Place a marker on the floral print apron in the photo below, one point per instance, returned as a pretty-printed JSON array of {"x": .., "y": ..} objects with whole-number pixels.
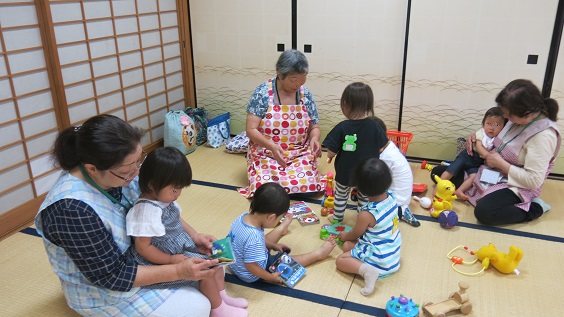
[{"x": 288, "y": 126}]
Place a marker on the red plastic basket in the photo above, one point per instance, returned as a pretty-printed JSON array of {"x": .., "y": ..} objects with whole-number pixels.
[{"x": 400, "y": 138}]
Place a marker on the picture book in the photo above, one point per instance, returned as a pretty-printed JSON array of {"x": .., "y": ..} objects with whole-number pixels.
[
  {"x": 292, "y": 271},
  {"x": 221, "y": 250},
  {"x": 301, "y": 211}
]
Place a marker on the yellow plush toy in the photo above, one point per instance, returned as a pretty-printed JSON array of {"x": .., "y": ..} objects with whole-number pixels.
[
  {"x": 443, "y": 196},
  {"x": 505, "y": 263}
]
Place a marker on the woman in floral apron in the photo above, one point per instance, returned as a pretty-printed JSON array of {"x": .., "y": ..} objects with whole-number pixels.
[
  {"x": 524, "y": 154},
  {"x": 282, "y": 126}
]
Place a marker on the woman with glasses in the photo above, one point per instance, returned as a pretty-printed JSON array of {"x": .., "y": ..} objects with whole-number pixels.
[
  {"x": 82, "y": 222},
  {"x": 283, "y": 130}
]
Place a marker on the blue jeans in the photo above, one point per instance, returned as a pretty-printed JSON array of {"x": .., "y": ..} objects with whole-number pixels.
[{"x": 465, "y": 163}]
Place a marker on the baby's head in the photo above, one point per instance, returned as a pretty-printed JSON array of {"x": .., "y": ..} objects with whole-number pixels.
[
  {"x": 493, "y": 121},
  {"x": 270, "y": 198},
  {"x": 357, "y": 101},
  {"x": 164, "y": 174},
  {"x": 371, "y": 176}
]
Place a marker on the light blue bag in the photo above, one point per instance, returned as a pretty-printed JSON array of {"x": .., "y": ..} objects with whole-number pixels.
[
  {"x": 180, "y": 131},
  {"x": 219, "y": 130}
]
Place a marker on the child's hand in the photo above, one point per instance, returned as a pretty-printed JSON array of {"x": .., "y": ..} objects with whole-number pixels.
[
  {"x": 203, "y": 243},
  {"x": 275, "y": 278},
  {"x": 280, "y": 247}
]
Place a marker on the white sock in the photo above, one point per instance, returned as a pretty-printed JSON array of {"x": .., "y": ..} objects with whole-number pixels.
[
  {"x": 545, "y": 207},
  {"x": 370, "y": 275}
]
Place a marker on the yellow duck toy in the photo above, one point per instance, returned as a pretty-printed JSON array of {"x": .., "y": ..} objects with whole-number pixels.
[
  {"x": 505, "y": 263},
  {"x": 443, "y": 196}
]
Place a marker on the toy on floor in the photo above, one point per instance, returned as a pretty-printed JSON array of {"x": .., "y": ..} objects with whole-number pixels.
[
  {"x": 443, "y": 196},
  {"x": 328, "y": 201},
  {"x": 456, "y": 301},
  {"x": 426, "y": 165},
  {"x": 424, "y": 202},
  {"x": 505, "y": 263},
  {"x": 419, "y": 188},
  {"x": 333, "y": 230},
  {"x": 401, "y": 307},
  {"x": 448, "y": 219}
]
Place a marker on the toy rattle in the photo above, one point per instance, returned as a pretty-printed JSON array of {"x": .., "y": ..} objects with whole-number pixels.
[
  {"x": 505, "y": 263},
  {"x": 424, "y": 202}
]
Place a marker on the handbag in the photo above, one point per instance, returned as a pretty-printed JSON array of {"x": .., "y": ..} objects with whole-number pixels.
[
  {"x": 238, "y": 144},
  {"x": 180, "y": 131},
  {"x": 219, "y": 130},
  {"x": 200, "y": 117}
]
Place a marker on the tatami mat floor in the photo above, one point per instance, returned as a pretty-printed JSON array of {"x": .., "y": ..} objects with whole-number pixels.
[{"x": 30, "y": 288}]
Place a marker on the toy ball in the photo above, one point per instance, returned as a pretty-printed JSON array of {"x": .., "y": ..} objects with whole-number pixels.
[
  {"x": 448, "y": 219},
  {"x": 425, "y": 202}
]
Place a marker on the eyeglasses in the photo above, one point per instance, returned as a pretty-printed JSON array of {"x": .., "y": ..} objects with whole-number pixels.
[{"x": 137, "y": 165}]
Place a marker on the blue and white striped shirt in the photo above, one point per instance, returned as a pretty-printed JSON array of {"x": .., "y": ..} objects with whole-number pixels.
[{"x": 249, "y": 246}]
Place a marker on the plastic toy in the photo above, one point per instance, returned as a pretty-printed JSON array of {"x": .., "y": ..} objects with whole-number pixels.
[
  {"x": 333, "y": 230},
  {"x": 448, "y": 219},
  {"x": 456, "y": 301},
  {"x": 400, "y": 138},
  {"x": 328, "y": 201},
  {"x": 505, "y": 263},
  {"x": 401, "y": 307},
  {"x": 426, "y": 165},
  {"x": 443, "y": 196},
  {"x": 419, "y": 187},
  {"x": 424, "y": 202}
]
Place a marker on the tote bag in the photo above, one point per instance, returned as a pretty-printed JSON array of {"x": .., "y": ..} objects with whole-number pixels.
[
  {"x": 180, "y": 131},
  {"x": 200, "y": 117},
  {"x": 219, "y": 130}
]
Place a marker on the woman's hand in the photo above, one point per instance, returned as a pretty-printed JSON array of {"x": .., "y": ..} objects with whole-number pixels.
[
  {"x": 316, "y": 148},
  {"x": 495, "y": 160},
  {"x": 196, "y": 269},
  {"x": 470, "y": 140},
  {"x": 278, "y": 154},
  {"x": 177, "y": 258},
  {"x": 203, "y": 243}
]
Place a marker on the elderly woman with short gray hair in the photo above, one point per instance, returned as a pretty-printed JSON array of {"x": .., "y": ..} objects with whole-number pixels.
[{"x": 283, "y": 130}]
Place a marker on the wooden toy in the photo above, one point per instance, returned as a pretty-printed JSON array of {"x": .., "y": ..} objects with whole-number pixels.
[
  {"x": 401, "y": 307},
  {"x": 443, "y": 196},
  {"x": 456, "y": 301}
]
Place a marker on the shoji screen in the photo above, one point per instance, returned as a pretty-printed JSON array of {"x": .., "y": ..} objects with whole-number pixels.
[
  {"x": 28, "y": 120},
  {"x": 64, "y": 61},
  {"x": 120, "y": 57}
]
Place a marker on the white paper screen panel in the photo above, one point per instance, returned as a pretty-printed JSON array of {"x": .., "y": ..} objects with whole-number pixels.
[
  {"x": 120, "y": 57},
  {"x": 28, "y": 123}
]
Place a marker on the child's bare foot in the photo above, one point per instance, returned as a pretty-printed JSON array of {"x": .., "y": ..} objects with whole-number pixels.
[
  {"x": 460, "y": 195},
  {"x": 330, "y": 218},
  {"x": 325, "y": 249},
  {"x": 286, "y": 223}
]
